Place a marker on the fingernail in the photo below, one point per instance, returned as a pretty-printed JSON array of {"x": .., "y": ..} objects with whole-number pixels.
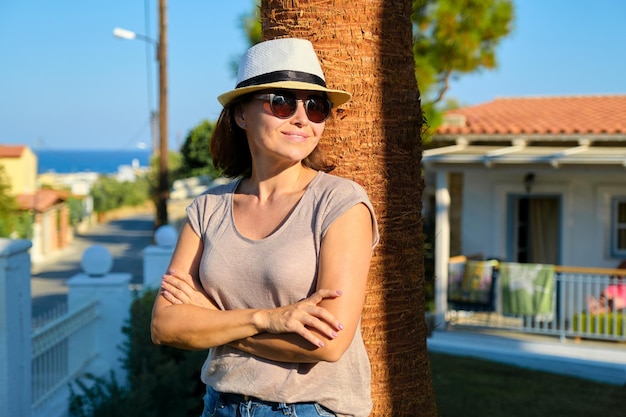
[
  {"x": 340, "y": 327},
  {"x": 339, "y": 292},
  {"x": 334, "y": 334}
]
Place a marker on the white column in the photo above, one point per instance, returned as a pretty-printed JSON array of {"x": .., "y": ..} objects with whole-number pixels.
[
  {"x": 114, "y": 297},
  {"x": 442, "y": 246},
  {"x": 15, "y": 328},
  {"x": 156, "y": 258}
]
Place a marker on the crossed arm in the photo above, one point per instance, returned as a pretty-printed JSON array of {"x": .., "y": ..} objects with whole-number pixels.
[{"x": 318, "y": 328}]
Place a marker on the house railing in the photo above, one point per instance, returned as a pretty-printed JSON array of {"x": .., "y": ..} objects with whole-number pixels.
[
  {"x": 572, "y": 315},
  {"x": 37, "y": 366}
]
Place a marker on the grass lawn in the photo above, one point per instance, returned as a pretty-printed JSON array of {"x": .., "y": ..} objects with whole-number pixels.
[{"x": 469, "y": 387}]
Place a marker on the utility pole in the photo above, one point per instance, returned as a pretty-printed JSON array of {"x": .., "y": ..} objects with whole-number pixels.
[{"x": 163, "y": 191}]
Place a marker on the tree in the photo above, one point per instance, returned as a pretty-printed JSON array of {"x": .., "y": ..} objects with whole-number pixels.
[
  {"x": 14, "y": 223},
  {"x": 196, "y": 156},
  {"x": 451, "y": 38},
  {"x": 251, "y": 24},
  {"x": 455, "y": 37},
  {"x": 366, "y": 48},
  {"x": 8, "y": 205}
]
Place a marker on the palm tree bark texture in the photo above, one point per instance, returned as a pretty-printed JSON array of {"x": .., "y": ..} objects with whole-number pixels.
[{"x": 365, "y": 47}]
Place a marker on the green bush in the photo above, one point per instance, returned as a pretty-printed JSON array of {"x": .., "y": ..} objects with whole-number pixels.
[
  {"x": 108, "y": 193},
  {"x": 195, "y": 152},
  {"x": 161, "y": 381},
  {"x": 77, "y": 210}
]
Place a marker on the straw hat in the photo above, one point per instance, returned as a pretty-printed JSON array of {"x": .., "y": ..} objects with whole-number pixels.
[{"x": 287, "y": 63}]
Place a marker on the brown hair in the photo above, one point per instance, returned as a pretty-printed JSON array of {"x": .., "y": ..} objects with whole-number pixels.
[{"x": 230, "y": 151}]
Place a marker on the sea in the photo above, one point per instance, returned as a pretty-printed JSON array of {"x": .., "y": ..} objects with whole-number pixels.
[{"x": 101, "y": 161}]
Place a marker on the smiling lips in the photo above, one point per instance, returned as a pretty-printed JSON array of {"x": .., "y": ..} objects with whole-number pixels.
[{"x": 296, "y": 136}]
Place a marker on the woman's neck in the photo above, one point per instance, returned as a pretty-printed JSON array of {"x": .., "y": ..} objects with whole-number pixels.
[{"x": 271, "y": 184}]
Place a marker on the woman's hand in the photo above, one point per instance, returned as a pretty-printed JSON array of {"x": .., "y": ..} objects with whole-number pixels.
[
  {"x": 182, "y": 288},
  {"x": 302, "y": 316}
]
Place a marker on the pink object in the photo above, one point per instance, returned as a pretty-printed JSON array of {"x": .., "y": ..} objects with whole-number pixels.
[{"x": 617, "y": 293}]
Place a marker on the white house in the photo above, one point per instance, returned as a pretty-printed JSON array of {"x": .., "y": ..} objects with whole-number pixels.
[{"x": 530, "y": 180}]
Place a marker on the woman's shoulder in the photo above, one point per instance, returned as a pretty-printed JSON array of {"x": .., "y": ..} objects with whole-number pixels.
[
  {"x": 328, "y": 183},
  {"x": 219, "y": 189},
  {"x": 215, "y": 194}
]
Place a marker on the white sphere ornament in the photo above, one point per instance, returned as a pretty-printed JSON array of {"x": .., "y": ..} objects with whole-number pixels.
[
  {"x": 165, "y": 236},
  {"x": 96, "y": 261}
]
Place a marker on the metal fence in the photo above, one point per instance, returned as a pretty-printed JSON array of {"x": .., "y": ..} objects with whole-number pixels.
[{"x": 573, "y": 314}]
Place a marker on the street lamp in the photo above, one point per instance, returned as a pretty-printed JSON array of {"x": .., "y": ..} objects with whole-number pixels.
[
  {"x": 130, "y": 35},
  {"x": 163, "y": 189}
]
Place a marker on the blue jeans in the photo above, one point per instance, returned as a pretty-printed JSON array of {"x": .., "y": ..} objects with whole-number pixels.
[{"x": 234, "y": 405}]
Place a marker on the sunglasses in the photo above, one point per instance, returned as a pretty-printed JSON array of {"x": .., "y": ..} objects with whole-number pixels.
[{"x": 285, "y": 105}]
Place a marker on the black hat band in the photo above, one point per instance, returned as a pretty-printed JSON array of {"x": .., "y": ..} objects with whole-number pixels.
[{"x": 286, "y": 75}]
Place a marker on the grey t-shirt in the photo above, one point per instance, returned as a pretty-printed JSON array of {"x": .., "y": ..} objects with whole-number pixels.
[{"x": 280, "y": 269}]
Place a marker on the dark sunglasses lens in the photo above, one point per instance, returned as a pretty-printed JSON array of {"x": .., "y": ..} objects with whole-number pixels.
[
  {"x": 317, "y": 109},
  {"x": 283, "y": 105}
]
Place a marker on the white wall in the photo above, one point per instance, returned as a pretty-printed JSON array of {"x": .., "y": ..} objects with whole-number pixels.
[{"x": 585, "y": 209}]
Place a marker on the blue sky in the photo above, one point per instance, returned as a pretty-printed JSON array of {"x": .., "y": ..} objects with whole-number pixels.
[{"x": 66, "y": 82}]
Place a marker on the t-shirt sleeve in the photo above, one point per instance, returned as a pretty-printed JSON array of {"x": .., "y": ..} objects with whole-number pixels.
[
  {"x": 345, "y": 195},
  {"x": 194, "y": 217}
]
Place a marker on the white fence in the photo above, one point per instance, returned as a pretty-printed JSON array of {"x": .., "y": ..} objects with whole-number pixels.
[
  {"x": 37, "y": 366},
  {"x": 571, "y": 315},
  {"x": 52, "y": 369}
]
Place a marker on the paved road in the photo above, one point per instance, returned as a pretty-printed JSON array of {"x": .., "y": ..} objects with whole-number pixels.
[{"x": 124, "y": 238}]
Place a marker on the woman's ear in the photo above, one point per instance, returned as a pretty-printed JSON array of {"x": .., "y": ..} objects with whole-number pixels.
[{"x": 239, "y": 118}]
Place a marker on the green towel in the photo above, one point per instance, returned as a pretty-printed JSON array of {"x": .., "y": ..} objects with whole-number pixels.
[{"x": 526, "y": 289}]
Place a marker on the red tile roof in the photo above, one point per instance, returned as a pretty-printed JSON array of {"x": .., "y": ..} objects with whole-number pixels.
[
  {"x": 42, "y": 200},
  {"x": 11, "y": 151},
  {"x": 568, "y": 115}
]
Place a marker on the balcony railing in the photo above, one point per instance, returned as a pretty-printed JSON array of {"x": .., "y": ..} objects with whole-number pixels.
[{"x": 577, "y": 309}]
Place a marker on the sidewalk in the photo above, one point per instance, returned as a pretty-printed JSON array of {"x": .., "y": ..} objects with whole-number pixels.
[
  {"x": 125, "y": 238},
  {"x": 593, "y": 360}
]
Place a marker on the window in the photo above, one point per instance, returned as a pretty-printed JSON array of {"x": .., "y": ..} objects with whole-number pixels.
[{"x": 618, "y": 227}]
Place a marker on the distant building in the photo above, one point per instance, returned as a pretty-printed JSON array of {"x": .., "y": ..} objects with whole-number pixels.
[
  {"x": 20, "y": 164},
  {"x": 79, "y": 183},
  {"x": 51, "y": 218}
]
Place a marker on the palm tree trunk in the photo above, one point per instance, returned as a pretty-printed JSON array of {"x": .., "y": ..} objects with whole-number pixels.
[{"x": 366, "y": 48}]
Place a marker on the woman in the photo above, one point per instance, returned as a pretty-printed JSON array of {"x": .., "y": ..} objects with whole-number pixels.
[{"x": 270, "y": 271}]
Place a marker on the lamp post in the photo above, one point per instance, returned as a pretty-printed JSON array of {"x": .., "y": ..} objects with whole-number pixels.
[{"x": 163, "y": 189}]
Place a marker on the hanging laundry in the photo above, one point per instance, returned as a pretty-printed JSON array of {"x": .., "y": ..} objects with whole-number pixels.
[
  {"x": 471, "y": 282},
  {"x": 526, "y": 289},
  {"x": 455, "y": 281}
]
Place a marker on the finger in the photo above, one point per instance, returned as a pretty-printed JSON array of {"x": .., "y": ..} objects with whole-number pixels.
[
  {"x": 322, "y": 294},
  {"x": 323, "y": 315},
  {"x": 179, "y": 283},
  {"x": 176, "y": 292},
  {"x": 327, "y": 328},
  {"x": 311, "y": 338},
  {"x": 181, "y": 276},
  {"x": 301, "y": 321},
  {"x": 169, "y": 297}
]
